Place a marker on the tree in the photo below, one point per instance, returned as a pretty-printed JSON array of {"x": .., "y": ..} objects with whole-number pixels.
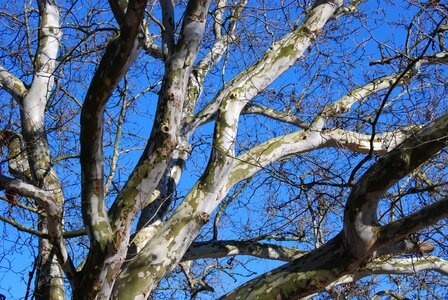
[{"x": 310, "y": 133}]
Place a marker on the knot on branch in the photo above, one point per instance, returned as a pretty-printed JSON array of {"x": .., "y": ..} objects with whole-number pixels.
[
  {"x": 426, "y": 247},
  {"x": 204, "y": 217}
]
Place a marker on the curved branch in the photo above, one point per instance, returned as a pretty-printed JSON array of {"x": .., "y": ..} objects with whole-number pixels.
[
  {"x": 314, "y": 271},
  {"x": 344, "y": 104},
  {"x": 220, "y": 46},
  {"x": 164, "y": 135},
  {"x": 306, "y": 275},
  {"x": 280, "y": 57},
  {"x": 194, "y": 212},
  {"x": 437, "y": 58},
  {"x": 349, "y": 9},
  {"x": 18, "y": 164},
  {"x": 404, "y": 266},
  {"x": 12, "y": 85},
  {"x": 122, "y": 51},
  {"x": 44, "y": 198},
  {"x": 168, "y": 29},
  {"x": 360, "y": 216}
]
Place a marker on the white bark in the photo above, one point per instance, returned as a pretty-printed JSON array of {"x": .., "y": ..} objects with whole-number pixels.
[
  {"x": 280, "y": 57},
  {"x": 217, "y": 249},
  {"x": 404, "y": 266},
  {"x": 177, "y": 234},
  {"x": 360, "y": 143},
  {"x": 275, "y": 115},
  {"x": 12, "y": 85},
  {"x": 345, "y": 103},
  {"x": 43, "y": 197}
]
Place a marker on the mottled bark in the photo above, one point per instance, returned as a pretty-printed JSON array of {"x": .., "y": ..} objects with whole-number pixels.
[
  {"x": 164, "y": 135},
  {"x": 217, "y": 249},
  {"x": 155, "y": 158},
  {"x": 304, "y": 276},
  {"x": 152, "y": 263},
  {"x": 362, "y": 234},
  {"x": 12, "y": 84},
  {"x": 275, "y": 115},
  {"x": 119, "y": 266},
  {"x": 50, "y": 277},
  {"x": 99, "y": 269},
  {"x": 361, "y": 225},
  {"x": 390, "y": 265},
  {"x": 18, "y": 165},
  {"x": 42, "y": 172},
  {"x": 280, "y": 57},
  {"x": 168, "y": 31},
  {"x": 158, "y": 207}
]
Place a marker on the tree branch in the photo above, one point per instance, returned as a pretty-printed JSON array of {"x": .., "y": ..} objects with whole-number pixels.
[
  {"x": 218, "y": 249},
  {"x": 360, "y": 143},
  {"x": 344, "y": 104},
  {"x": 168, "y": 29},
  {"x": 404, "y": 266},
  {"x": 414, "y": 222},
  {"x": 18, "y": 164},
  {"x": 220, "y": 46},
  {"x": 305, "y": 275},
  {"x": 122, "y": 51},
  {"x": 360, "y": 217},
  {"x": 275, "y": 115},
  {"x": 12, "y": 85},
  {"x": 22, "y": 228},
  {"x": 280, "y": 57},
  {"x": 164, "y": 136},
  {"x": 44, "y": 198}
]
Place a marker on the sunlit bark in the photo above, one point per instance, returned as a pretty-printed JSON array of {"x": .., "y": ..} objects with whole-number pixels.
[
  {"x": 126, "y": 258},
  {"x": 362, "y": 234}
]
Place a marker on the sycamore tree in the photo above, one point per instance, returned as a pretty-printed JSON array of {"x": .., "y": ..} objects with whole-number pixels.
[{"x": 164, "y": 149}]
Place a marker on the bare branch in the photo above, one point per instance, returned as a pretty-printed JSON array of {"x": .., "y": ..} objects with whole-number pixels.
[
  {"x": 164, "y": 136},
  {"x": 349, "y": 9},
  {"x": 404, "y": 266},
  {"x": 276, "y": 115},
  {"x": 217, "y": 249},
  {"x": 168, "y": 29},
  {"x": 344, "y": 104},
  {"x": 429, "y": 215},
  {"x": 220, "y": 46},
  {"x": 12, "y": 85},
  {"x": 360, "y": 217},
  {"x": 17, "y": 161},
  {"x": 280, "y": 57},
  {"x": 22, "y": 228},
  {"x": 24, "y": 189},
  {"x": 122, "y": 51},
  {"x": 360, "y": 143}
]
